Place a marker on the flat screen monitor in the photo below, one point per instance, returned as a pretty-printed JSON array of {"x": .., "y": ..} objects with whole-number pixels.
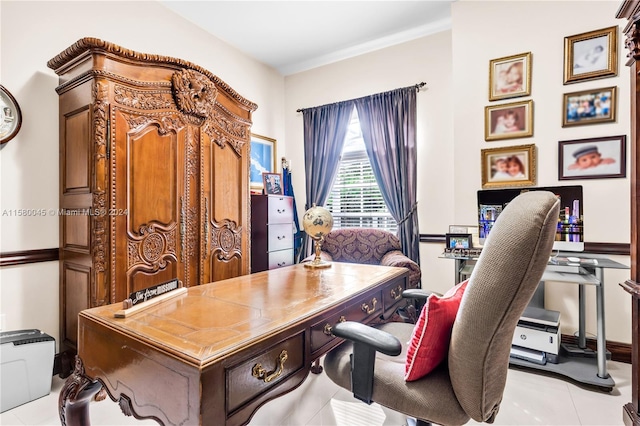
[{"x": 570, "y": 229}]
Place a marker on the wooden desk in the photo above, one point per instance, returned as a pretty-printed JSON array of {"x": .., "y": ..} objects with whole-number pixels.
[{"x": 194, "y": 359}]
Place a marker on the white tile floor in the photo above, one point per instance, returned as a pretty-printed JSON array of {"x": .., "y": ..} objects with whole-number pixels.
[{"x": 530, "y": 399}]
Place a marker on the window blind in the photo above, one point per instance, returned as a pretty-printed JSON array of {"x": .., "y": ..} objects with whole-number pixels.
[{"x": 355, "y": 199}]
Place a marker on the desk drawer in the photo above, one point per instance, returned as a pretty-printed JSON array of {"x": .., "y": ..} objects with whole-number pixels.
[
  {"x": 264, "y": 371},
  {"x": 362, "y": 311},
  {"x": 392, "y": 294}
]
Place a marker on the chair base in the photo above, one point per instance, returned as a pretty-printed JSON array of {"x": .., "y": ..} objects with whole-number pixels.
[{"x": 417, "y": 422}]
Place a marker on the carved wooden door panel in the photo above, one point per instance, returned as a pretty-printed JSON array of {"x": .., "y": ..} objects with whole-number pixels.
[
  {"x": 225, "y": 187},
  {"x": 154, "y": 221}
]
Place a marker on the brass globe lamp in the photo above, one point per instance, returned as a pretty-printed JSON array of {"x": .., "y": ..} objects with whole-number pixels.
[{"x": 317, "y": 222}]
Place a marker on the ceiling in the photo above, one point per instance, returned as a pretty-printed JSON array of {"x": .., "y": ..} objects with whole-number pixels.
[{"x": 294, "y": 36}]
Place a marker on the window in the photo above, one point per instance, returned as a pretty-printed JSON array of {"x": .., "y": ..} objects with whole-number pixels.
[{"x": 355, "y": 199}]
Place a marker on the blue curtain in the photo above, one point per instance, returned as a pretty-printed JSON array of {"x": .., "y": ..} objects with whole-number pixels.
[
  {"x": 388, "y": 122},
  {"x": 325, "y": 128},
  {"x": 288, "y": 190}
]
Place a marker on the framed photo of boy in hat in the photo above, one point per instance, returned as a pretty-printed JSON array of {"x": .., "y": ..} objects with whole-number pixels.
[{"x": 593, "y": 158}]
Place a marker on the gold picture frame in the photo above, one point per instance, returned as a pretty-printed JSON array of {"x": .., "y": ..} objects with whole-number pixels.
[
  {"x": 591, "y": 55},
  {"x": 508, "y": 121},
  {"x": 510, "y": 76},
  {"x": 591, "y": 106},
  {"x": 508, "y": 166}
]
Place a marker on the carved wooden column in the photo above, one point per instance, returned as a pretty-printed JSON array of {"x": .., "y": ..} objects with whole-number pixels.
[{"x": 630, "y": 10}]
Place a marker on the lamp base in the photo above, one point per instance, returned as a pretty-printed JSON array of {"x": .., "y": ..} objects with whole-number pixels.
[{"x": 317, "y": 264}]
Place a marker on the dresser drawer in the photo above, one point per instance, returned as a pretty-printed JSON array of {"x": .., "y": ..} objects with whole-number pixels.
[
  {"x": 278, "y": 259},
  {"x": 280, "y": 236},
  {"x": 264, "y": 371},
  {"x": 280, "y": 210}
]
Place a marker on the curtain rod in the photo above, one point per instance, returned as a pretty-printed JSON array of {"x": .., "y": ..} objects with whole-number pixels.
[{"x": 416, "y": 86}]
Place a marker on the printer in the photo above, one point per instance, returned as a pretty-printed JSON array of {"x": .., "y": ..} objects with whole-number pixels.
[
  {"x": 537, "y": 336},
  {"x": 26, "y": 366}
]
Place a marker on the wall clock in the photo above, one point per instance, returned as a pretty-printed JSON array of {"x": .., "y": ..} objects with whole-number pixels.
[{"x": 10, "y": 116}]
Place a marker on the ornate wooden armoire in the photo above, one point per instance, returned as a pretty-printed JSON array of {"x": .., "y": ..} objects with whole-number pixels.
[
  {"x": 154, "y": 170},
  {"x": 630, "y": 10}
]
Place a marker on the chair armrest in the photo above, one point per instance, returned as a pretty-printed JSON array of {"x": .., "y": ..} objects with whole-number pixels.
[
  {"x": 419, "y": 294},
  {"x": 366, "y": 341},
  {"x": 379, "y": 340},
  {"x": 398, "y": 259}
]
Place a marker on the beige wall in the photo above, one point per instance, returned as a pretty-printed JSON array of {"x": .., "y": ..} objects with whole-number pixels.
[{"x": 31, "y": 34}]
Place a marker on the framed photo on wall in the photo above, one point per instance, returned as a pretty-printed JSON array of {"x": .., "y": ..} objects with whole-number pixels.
[
  {"x": 272, "y": 183},
  {"x": 591, "y": 55},
  {"x": 510, "y": 77},
  {"x": 508, "y": 166},
  {"x": 589, "y": 107},
  {"x": 593, "y": 158},
  {"x": 508, "y": 121},
  {"x": 263, "y": 159}
]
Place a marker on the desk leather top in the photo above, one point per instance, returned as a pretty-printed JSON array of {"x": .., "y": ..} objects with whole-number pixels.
[{"x": 217, "y": 319}]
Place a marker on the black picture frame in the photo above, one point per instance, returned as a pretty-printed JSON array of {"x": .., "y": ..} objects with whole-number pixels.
[
  {"x": 272, "y": 183},
  {"x": 611, "y": 152},
  {"x": 458, "y": 241}
]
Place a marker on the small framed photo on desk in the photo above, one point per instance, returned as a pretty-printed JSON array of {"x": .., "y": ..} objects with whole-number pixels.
[{"x": 458, "y": 241}]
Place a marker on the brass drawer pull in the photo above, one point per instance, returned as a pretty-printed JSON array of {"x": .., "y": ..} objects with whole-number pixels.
[
  {"x": 366, "y": 309},
  {"x": 267, "y": 376},
  {"x": 396, "y": 293},
  {"x": 328, "y": 327}
]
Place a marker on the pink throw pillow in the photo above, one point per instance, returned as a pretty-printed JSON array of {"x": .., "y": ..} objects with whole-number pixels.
[{"x": 430, "y": 339}]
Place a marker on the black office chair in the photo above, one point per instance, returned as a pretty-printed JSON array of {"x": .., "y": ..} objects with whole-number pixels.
[{"x": 471, "y": 381}]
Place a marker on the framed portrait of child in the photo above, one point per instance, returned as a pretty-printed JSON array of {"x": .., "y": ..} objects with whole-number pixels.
[
  {"x": 508, "y": 166},
  {"x": 591, "y": 55},
  {"x": 508, "y": 121},
  {"x": 510, "y": 77},
  {"x": 592, "y": 158}
]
